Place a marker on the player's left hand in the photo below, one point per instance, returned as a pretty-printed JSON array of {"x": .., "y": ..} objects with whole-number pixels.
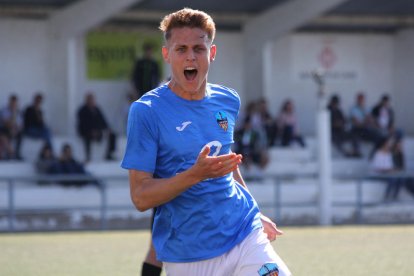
[{"x": 270, "y": 228}]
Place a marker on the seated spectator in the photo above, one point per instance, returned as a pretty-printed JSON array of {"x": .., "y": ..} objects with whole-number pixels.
[
  {"x": 398, "y": 156},
  {"x": 260, "y": 120},
  {"x": 269, "y": 125},
  {"x": 252, "y": 145},
  {"x": 288, "y": 125},
  {"x": 362, "y": 124},
  {"x": 382, "y": 163},
  {"x": 67, "y": 162},
  {"x": 6, "y": 151},
  {"x": 399, "y": 164},
  {"x": 92, "y": 125},
  {"x": 46, "y": 162},
  {"x": 340, "y": 133},
  {"x": 251, "y": 110},
  {"x": 11, "y": 124},
  {"x": 69, "y": 165},
  {"x": 383, "y": 116},
  {"x": 34, "y": 123}
]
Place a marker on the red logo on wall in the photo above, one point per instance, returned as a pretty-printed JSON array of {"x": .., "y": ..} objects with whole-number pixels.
[{"x": 327, "y": 57}]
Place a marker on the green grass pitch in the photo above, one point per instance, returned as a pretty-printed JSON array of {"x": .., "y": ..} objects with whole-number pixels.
[{"x": 330, "y": 251}]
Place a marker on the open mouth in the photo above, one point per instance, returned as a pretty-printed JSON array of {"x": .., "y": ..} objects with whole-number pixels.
[{"x": 190, "y": 73}]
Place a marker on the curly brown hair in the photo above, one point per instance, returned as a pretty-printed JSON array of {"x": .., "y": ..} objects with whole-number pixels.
[{"x": 188, "y": 18}]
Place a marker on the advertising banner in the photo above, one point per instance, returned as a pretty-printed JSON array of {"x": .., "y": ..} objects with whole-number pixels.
[{"x": 111, "y": 55}]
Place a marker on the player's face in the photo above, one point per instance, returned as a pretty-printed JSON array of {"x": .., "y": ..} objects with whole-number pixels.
[{"x": 189, "y": 53}]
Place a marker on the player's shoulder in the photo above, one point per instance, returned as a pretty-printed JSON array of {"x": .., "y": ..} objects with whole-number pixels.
[
  {"x": 152, "y": 97},
  {"x": 221, "y": 90},
  {"x": 148, "y": 104}
]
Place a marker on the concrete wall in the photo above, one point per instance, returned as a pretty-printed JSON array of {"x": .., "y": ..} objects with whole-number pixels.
[
  {"x": 404, "y": 79},
  {"x": 351, "y": 62},
  {"x": 23, "y": 52},
  {"x": 227, "y": 67}
]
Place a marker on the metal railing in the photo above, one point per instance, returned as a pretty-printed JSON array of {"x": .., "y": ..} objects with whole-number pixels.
[
  {"x": 101, "y": 184},
  {"x": 359, "y": 180}
]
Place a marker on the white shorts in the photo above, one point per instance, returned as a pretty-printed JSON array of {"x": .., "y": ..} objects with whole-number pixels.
[{"x": 253, "y": 256}]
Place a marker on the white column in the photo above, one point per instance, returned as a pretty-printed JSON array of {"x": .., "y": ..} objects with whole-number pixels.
[
  {"x": 72, "y": 85},
  {"x": 323, "y": 124},
  {"x": 325, "y": 167},
  {"x": 65, "y": 27}
]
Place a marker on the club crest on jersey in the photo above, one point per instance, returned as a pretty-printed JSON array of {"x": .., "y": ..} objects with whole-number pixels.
[
  {"x": 269, "y": 269},
  {"x": 222, "y": 121}
]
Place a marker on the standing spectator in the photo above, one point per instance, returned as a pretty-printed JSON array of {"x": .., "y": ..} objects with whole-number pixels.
[
  {"x": 339, "y": 131},
  {"x": 91, "y": 126},
  {"x": 362, "y": 125},
  {"x": 146, "y": 73},
  {"x": 288, "y": 125},
  {"x": 11, "y": 124},
  {"x": 34, "y": 123}
]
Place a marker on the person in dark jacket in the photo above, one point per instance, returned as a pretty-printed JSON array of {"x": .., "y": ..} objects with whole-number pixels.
[
  {"x": 92, "y": 126},
  {"x": 383, "y": 116},
  {"x": 69, "y": 165},
  {"x": 146, "y": 73},
  {"x": 34, "y": 123},
  {"x": 339, "y": 131}
]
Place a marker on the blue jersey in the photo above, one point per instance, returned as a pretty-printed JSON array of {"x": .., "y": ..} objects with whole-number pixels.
[{"x": 165, "y": 136}]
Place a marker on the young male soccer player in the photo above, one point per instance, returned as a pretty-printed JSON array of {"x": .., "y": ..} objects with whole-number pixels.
[{"x": 179, "y": 159}]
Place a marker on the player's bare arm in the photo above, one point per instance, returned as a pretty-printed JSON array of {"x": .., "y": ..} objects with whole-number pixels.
[
  {"x": 269, "y": 227},
  {"x": 148, "y": 192}
]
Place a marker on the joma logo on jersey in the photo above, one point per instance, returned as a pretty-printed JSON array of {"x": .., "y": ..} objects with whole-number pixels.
[
  {"x": 222, "y": 121},
  {"x": 183, "y": 126}
]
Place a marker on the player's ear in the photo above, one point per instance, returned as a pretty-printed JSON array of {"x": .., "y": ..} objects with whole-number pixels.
[
  {"x": 165, "y": 54},
  {"x": 213, "y": 50}
]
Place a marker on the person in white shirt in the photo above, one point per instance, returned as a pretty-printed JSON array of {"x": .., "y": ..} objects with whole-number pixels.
[{"x": 382, "y": 164}]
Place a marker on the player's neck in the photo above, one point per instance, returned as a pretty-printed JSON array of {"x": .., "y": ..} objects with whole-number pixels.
[{"x": 190, "y": 95}]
